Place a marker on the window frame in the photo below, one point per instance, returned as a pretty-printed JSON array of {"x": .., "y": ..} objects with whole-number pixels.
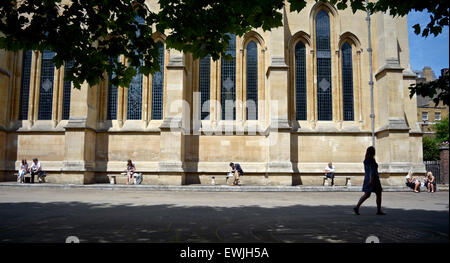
[
  {"x": 246, "y": 79},
  {"x": 344, "y": 80},
  {"x": 425, "y": 114},
  {"x": 325, "y": 110}
]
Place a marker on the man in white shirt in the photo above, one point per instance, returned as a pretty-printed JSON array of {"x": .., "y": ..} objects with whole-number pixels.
[
  {"x": 35, "y": 168},
  {"x": 329, "y": 172}
]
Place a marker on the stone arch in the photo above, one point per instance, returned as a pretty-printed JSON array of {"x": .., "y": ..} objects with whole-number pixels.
[
  {"x": 355, "y": 44},
  {"x": 261, "y": 48},
  {"x": 299, "y": 36},
  {"x": 327, "y": 7},
  {"x": 253, "y": 35},
  {"x": 334, "y": 30},
  {"x": 305, "y": 39},
  {"x": 351, "y": 38}
]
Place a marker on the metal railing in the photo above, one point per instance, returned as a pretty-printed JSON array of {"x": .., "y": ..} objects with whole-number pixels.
[{"x": 435, "y": 168}]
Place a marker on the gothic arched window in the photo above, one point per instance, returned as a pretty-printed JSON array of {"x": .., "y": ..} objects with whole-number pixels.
[
  {"x": 252, "y": 81},
  {"x": 300, "y": 81},
  {"x": 134, "y": 101},
  {"x": 46, "y": 87},
  {"x": 25, "y": 87},
  {"x": 158, "y": 86},
  {"x": 228, "y": 82},
  {"x": 347, "y": 82},
  {"x": 324, "y": 95}
]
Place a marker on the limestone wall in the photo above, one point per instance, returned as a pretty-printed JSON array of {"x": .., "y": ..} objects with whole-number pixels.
[
  {"x": 114, "y": 149},
  {"x": 179, "y": 149}
]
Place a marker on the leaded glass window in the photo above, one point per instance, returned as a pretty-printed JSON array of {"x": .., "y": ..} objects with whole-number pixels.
[
  {"x": 300, "y": 81},
  {"x": 324, "y": 97},
  {"x": 204, "y": 86},
  {"x": 158, "y": 86},
  {"x": 25, "y": 88},
  {"x": 252, "y": 81},
  {"x": 46, "y": 87},
  {"x": 111, "y": 113},
  {"x": 134, "y": 108},
  {"x": 228, "y": 82},
  {"x": 347, "y": 82},
  {"x": 66, "y": 92}
]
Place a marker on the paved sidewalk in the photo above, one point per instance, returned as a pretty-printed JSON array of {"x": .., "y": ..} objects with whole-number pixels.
[
  {"x": 212, "y": 188},
  {"x": 43, "y": 214}
]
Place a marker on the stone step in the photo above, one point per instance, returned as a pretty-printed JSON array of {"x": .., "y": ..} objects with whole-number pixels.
[{"x": 212, "y": 188}]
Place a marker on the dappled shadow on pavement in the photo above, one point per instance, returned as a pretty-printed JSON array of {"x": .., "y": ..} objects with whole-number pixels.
[{"x": 53, "y": 222}]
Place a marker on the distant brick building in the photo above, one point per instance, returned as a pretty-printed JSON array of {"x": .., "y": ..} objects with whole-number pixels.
[{"x": 427, "y": 112}]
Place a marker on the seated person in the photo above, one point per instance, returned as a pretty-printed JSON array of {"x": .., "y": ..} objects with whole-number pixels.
[
  {"x": 413, "y": 183},
  {"x": 130, "y": 170},
  {"x": 431, "y": 182},
  {"x": 237, "y": 171},
  {"x": 329, "y": 172},
  {"x": 22, "y": 171},
  {"x": 36, "y": 169}
]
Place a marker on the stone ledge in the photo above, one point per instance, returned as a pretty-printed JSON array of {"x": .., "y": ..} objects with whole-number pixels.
[
  {"x": 408, "y": 73},
  {"x": 198, "y": 188},
  {"x": 261, "y": 168},
  {"x": 391, "y": 64},
  {"x": 394, "y": 125}
]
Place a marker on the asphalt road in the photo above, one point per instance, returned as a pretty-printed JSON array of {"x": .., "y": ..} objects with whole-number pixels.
[{"x": 51, "y": 215}]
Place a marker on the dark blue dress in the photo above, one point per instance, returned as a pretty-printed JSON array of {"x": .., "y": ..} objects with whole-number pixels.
[{"x": 371, "y": 167}]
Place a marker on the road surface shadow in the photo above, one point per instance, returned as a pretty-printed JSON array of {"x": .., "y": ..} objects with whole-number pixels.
[{"x": 54, "y": 222}]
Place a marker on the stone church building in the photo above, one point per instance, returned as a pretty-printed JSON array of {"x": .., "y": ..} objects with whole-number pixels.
[{"x": 299, "y": 95}]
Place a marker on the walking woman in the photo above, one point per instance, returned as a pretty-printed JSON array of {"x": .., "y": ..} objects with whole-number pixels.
[{"x": 371, "y": 181}]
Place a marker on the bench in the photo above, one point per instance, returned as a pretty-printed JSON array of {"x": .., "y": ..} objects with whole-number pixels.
[
  {"x": 348, "y": 178},
  {"x": 27, "y": 177},
  {"x": 137, "y": 178}
]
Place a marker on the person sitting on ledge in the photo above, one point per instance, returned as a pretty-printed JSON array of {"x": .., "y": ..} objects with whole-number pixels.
[
  {"x": 237, "y": 171},
  {"x": 36, "y": 169},
  {"x": 130, "y": 170},
  {"x": 329, "y": 172},
  {"x": 431, "y": 182},
  {"x": 22, "y": 171},
  {"x": 413, "y": 183}
]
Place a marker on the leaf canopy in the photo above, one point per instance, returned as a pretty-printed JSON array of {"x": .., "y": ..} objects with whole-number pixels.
[{"x": 93, "y": 34}]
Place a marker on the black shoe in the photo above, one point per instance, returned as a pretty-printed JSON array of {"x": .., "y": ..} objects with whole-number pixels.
[{"x": 356, "y": 210}]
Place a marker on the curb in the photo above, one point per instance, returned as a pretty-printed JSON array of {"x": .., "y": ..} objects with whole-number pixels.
[{"x": 207, "y": 188}]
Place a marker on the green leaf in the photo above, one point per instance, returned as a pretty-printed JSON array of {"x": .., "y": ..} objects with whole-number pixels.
[
  {"x": 92, "y": 33},
  {"x": 297, "y": 5}
]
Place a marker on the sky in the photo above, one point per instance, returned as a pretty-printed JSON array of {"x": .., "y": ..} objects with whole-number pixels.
[{"x": 431, "y": 51}]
